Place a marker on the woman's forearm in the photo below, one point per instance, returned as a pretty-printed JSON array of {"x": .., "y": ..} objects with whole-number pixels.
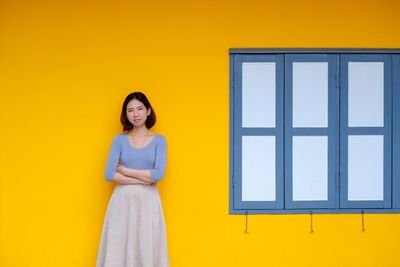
[
  {"x": 123, "y": 179},
  {"x": 143, "y": 175}
]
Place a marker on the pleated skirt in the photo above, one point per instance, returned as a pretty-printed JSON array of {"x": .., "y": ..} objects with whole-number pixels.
[{"x": 133, "y": 233}]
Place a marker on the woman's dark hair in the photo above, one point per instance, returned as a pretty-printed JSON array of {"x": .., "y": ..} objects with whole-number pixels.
[{"x": 151, "y": 119}]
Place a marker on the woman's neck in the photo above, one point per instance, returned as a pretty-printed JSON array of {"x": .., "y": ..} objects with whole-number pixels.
[{"x": 142, "y": 130}]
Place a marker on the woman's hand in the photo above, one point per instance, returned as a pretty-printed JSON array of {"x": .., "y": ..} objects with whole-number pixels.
[
  {"x": 125, "y": 172},
  {"x": 121, "y": 169}
]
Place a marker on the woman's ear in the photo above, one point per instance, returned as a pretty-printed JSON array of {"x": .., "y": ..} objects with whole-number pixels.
[{"x": 148, "y": 112}]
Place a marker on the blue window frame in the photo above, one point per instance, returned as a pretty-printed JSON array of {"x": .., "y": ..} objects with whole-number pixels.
[
  {"x": 396, "y": 131},
  {"x": 251, "y": 130},
  {"x": 314, "y": 131},
  {"x": 377, "y": 131}
]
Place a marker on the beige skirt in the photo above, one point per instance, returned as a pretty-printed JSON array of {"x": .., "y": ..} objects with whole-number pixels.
[{"x": 134, "y": 232}]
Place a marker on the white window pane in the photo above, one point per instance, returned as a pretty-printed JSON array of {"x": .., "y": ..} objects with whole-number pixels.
[
  {"x": 258, "y": 168},
  {"x": 310, "y": 94},
  {"x": 310, "y": 168},
  {"x": 365, "y": 167},
  {"x": 366, "y": 94},
  {"x": 258, "y": 99}
]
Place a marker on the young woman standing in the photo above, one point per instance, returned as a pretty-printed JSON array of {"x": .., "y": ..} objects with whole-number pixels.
[{"x": 134, "y": 233}]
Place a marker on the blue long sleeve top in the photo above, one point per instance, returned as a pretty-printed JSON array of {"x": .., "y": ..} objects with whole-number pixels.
[{"x": 151, "y": 157}]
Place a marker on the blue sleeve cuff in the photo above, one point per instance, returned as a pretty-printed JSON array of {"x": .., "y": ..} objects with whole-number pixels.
[
  {"x": 155, "y": 175},
  {"x": 113, "y": 159},
  {"x": 161, "y": 159},
  {"x": 110, "y": 175}
]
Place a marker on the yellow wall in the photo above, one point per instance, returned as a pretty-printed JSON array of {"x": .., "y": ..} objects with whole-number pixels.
[{"x": 65, "y": 68}]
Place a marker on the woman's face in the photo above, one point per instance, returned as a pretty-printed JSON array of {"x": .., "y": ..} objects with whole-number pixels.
[{"x": 137, "y": 113}]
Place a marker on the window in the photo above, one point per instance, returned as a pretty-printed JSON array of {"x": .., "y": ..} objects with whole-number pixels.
[{"x": 314, "y": 130}]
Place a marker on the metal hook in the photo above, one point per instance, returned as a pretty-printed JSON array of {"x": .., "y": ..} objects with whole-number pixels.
[
  {"x": 311, "y": 222},
  {"x": 362, "y": 221},
  {"x": 245, "y": 230}
]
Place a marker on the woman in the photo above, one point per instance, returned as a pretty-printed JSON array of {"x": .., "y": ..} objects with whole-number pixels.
[{"x": 134, "y": 232}]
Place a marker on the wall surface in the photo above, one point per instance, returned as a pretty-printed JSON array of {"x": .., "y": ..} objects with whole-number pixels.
[{"x": 65, "y": 68}]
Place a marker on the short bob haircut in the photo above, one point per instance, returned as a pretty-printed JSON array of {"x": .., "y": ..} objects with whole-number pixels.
[{"x": 151, "y": 119}]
